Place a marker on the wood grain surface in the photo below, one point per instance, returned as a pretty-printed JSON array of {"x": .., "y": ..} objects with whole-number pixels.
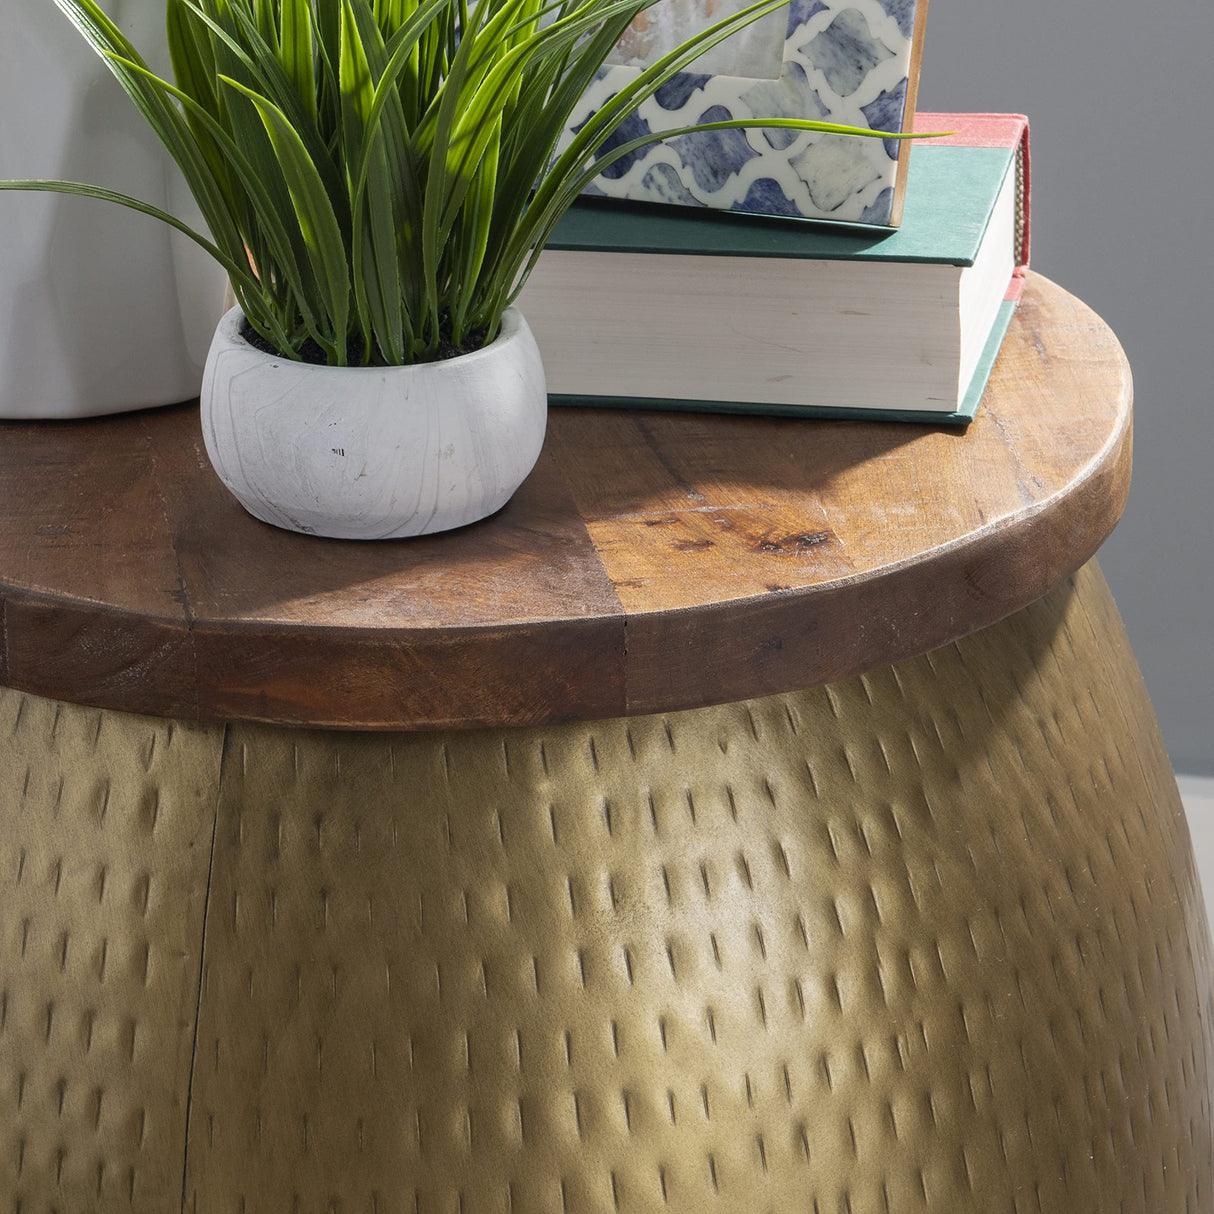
[{"x": 651, "y": 561}]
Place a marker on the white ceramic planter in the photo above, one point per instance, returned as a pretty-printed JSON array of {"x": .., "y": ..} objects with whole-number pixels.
[
  {"x": 101, "y": 310},
  {"x": 374, "y": 452}
]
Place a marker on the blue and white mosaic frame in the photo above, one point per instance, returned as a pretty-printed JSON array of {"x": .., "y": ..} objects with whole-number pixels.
[{"x": 846, "y": 61}]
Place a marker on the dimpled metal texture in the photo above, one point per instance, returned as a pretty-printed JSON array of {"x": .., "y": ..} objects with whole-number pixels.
[
  {"x": 930, "y": 939},
  {"x": 106, "y": 823}
]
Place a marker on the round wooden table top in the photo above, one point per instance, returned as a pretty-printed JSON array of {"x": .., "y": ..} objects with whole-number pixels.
[{"x": 652, "y": 561}]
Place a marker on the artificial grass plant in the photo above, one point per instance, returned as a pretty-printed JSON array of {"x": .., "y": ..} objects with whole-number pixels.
[{"x": 379, "y": 176}]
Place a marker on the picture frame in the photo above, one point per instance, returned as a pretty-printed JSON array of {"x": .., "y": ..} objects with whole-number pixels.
[{"x": 854, "y": 62}]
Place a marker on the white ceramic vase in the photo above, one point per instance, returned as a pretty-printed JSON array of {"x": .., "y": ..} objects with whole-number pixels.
[
  {"x": 372, "y": 453},
  {"x": 101, "y": 309}
]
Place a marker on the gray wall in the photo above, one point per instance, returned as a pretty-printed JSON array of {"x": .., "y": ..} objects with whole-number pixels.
[{"x": 1119, "y": 95}]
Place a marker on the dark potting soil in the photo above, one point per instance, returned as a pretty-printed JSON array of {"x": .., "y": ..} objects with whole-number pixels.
[{"x": 310, "y": 352}]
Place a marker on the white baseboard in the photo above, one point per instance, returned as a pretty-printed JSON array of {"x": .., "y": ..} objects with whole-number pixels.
[{"x": 1197, "y": 792}]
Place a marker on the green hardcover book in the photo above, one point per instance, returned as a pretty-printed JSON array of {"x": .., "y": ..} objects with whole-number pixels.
[{"x": 671, "y": 308}]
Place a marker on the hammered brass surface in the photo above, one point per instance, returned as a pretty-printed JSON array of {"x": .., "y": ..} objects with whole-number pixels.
[
  {"x": 105, "y": 840},
  {"x": 930, "y": 939},
  {"x": 927, "y": 940}
]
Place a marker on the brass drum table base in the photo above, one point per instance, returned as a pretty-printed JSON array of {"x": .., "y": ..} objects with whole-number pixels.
[{"x": 929, "y": 939}]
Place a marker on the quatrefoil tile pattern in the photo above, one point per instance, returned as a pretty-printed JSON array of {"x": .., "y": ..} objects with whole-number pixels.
[
  {"x": 926, "y": 940},
  {"x": 851, "y": 62}
]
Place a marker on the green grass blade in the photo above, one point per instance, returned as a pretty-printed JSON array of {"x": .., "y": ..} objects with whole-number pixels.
[
  {"x": 373, "y": 245},
  {"x": 474, "y": 236},
  {"x": 469, "y": 118},
  {"x": 288, "y": 257},
  {"x": 318, "y": 224},
  {"x": 390, "y": 15},
  {"x": 398, "y": 51},
  {"x": 295, "y": 42},
  {"x": 357, "y": 89},
  {"x": 536, "y": 126},
  {"x": 268, "y": 205},
  {"x": 194, "y": 66},
  {"x": 191, "y": 57},
  {"x": 267, "y": 24},
  {"x": 171, "y": 128},
  {"x": 257, "y": 67},
  {"x": 380, "y": 264},
  {"x": 389, "y": 64}
]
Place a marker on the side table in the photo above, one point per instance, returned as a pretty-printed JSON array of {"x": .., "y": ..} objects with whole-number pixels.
[{"x": 753, "y": 816}]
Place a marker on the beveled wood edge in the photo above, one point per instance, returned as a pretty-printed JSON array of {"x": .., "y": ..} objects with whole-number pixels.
[
  {"x": 192, "y": 670},
  {"x": 646, "y": 686},
  {"x": 980, "y": 579}
]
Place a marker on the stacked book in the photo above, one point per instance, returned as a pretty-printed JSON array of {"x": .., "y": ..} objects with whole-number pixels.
[{"x": 672, "y": 308}]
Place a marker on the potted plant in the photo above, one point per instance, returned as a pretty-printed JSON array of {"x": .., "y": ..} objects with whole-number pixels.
[{"x": 378, "y": 178}]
